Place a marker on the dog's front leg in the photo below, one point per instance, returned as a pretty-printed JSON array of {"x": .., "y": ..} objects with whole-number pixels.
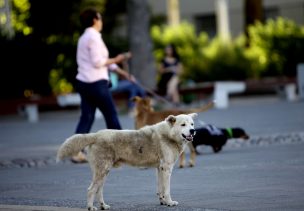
[
  {"x": 182, "y": 159},
  {"x": 164, "y": 174},
  {"x": 192, "y": 155},
  {"x": 160, "y": 191}
]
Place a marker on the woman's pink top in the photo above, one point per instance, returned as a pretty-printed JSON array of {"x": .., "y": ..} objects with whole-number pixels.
[{"x": 92, "y": 55}]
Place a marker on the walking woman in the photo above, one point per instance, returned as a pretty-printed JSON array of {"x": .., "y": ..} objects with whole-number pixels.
[{"x": 93, "y": 78}]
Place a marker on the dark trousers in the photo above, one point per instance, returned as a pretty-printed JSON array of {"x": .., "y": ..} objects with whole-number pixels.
[
  {"x": 96, "y": 95},
  {"x": 132, "y": 89}
]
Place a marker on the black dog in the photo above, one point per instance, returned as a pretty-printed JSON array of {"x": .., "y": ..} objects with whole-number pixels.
[{"x": 216, "y": 137}]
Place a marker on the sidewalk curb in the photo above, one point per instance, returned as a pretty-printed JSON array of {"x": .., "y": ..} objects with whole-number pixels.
[{"x": 36, "y": 208}]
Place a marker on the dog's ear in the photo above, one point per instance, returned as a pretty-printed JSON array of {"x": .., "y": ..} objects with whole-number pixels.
[
  {"x": 193, "y": 115},
  {"x": 171, "y": 120},
  {"x": 135, "y": 99}
]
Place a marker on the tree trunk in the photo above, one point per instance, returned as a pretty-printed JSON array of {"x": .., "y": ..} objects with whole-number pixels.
[
  {"x": 253, "y": 12},
  {"x": 142, "y": 64},
  {"x": 6, "y": 27}
]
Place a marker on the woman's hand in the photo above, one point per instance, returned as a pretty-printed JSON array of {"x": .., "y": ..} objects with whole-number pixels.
[
  {"x": 127, "y": 55},
  {"x": 119, "y": 58},
  {"x": 122, "y": 57}
]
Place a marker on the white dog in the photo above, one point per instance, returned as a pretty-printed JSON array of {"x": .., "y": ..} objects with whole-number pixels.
[{"x": 158, "y": 146}]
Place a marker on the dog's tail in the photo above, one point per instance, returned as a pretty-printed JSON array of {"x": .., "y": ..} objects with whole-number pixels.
[
  {"x": 203, "y": 108},
  {"x": 74, "y": 144}
]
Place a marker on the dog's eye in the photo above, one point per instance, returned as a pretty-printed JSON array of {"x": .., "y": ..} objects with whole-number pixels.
[
  {"x": 183, "y": 125},
  {"x": 192, "y": 124}
]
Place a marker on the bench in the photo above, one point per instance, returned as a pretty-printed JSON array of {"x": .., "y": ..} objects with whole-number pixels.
[
  {"x": 30, "y": 106},
  {"x": 73, "y": 99},
  {"x": 200, "y": 90},
  {"x": 286, "y": 87},
  {"x": 221, "y": 90}
]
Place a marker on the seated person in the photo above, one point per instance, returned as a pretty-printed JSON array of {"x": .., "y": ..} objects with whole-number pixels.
[{"x": 126, "y": 84}]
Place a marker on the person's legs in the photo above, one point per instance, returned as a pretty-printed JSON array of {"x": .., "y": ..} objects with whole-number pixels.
[
  {"x": 87, "y": 116},
  {"x": 135, "y": 90},
  {"x": 122, "y": 86},
  {"x": 87, "y": 108},
  {"x": 173, "y": 90},
  {"x": 162, "y": 86},
  {"x": 140, "y": 91},
  {"x": 132, "y": 89},
  {"x": 105, "y": 103}
]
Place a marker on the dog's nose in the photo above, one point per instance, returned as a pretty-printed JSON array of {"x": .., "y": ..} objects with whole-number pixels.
[{"x": 192, "y": 131}]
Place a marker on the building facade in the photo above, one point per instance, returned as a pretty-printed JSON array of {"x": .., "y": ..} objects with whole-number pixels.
[{"x": 202, "y": 13}]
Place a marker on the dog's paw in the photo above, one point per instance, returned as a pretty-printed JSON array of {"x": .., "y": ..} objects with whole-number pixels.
[
  {"x": 161, "y": 199},
  {"x": 92, "y": 208},
  {"x": 171, "y": 203},
  {"x": 181, "y": 166},
  {"x": 104, "y": 207},
  {"x": 191, "y": 164}
]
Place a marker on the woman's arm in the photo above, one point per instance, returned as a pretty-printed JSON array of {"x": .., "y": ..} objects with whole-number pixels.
[
  {"x": 115, "y": 68},
  {"x": 119, "y": 58}
]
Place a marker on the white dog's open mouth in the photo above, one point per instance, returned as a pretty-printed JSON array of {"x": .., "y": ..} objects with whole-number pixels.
[{"x": 188, "y": 138}]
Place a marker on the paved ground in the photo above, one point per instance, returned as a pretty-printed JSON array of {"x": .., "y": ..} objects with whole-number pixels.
[{"x": 265, "y": 173}]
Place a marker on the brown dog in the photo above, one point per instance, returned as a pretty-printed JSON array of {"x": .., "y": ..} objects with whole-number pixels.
[{"x": 145, "y": 115}]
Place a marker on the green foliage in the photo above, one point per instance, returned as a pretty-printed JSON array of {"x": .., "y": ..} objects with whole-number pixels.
[
  {"x": 224, "y": 62},
  {"x": 16, "y": 18},
  {"x": 59, "y": 83},
  {"x": 188, "y": 45},
  {"x": 45, "y": 43},
  {"x": 275, "y": 48},
  {"x": 19, "y": 16},
  {"x": 57, "y": 79},
  {"x": 204, "y": 59},
  {"x": 280, "y": 43}
]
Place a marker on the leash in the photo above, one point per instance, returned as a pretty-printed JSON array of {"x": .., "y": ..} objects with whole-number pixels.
[{"x": 148, "y": 90}]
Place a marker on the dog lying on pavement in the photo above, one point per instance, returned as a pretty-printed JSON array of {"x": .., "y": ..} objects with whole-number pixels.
[
  {"x": 212, "y": 136},
  {"x": 157, "y": 145}
]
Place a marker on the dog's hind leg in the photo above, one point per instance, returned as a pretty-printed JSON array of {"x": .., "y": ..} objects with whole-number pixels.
[
  {"x": 92, "y": 190},
  {"x": 164, "y": 176},
  {"x": 96, "y": 187},
  {"x": 103, "y": 205}
]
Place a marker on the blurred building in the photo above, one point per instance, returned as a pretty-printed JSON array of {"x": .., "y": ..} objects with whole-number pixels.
[{"x": 202, "y": 12}]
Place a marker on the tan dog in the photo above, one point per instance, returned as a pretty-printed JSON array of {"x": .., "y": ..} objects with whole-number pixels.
[
  {"x": 157, "y": 145},
  {"x": 145, "y": 115}
]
